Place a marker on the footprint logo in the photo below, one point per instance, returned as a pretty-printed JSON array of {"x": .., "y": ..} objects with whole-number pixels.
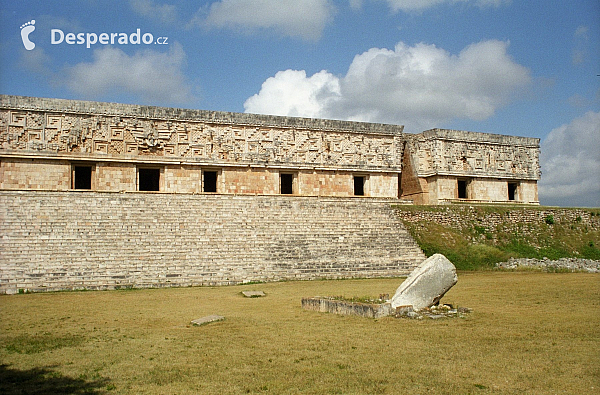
[{"x": 26, "y": 29}]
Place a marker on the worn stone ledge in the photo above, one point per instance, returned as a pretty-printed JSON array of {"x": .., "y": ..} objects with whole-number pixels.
[
  {"x": 330, "y": 305},
  {"x": 217, "y": 117},
  {"x": 566, "y": 264}
]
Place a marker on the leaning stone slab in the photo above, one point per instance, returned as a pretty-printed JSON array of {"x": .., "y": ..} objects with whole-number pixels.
[
  {"x": 253, "y": 294},
  {"x": 426, "y": 285},
  {"x": 207, "y": 320}
]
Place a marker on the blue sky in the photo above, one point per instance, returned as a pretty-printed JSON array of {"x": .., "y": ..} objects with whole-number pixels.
[{"x": 527, "y": 68}]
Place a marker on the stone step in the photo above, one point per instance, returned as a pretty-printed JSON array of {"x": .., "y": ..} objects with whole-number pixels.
[{"x": 66, "y": 240}]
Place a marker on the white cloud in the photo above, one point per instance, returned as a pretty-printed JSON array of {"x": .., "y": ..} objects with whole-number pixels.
[
  {"x": 570, "y": 162},
  {"x": 297, "y": 18},
  {"x": 38, "y": 62},
  {"x": 579, "y": 53},
  {"x": 420, "y": 86},
  {"x": 295, "y": 94},
  {"x": 156, "y": 77},
  {"x": 164, "y": 13},
  {"x": 420, "y": 5}
]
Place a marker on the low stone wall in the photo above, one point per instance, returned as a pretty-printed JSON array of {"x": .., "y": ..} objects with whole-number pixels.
[
  {"x": 329, "y": 305},
  {"x": 567, "y": 264},
  {"x": 464, "y": 216},
  {"x": 101, "y": 240}
]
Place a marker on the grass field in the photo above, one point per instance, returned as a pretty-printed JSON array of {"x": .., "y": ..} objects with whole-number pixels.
[{"x": 530, "y": 333}]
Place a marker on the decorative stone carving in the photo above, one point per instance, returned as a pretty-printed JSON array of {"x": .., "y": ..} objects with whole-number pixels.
[
  {"x": 460, "y": 153},
  {"x": 64, "y": 131}
]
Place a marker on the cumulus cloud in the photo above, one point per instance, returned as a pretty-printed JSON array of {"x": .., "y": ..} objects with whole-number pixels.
[
  {"x": 420, "y": 5},
  {"x": 305, "y": 19},
  {"x": 570, "y": 162},
  {"x": 296, "y": 94},
  {"x": 156, "y": 77},
  {"x": 419, "y": 86},
  {"x": 164, "y": 13}
]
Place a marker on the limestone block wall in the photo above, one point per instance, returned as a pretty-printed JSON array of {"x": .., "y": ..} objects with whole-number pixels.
[
  {"x": 100, "y": 240},
  {"x": 528, "y": 191},
  {"x": 446, "y": 188},
  {"x": 22, "y": 174},
  {"x": 463, "y": 216},
  {"x": 485, "y": 163},
  {"x": 38, "y": 174},
  {"x": 115, "y": 176},
  {"x": 182, "y": 179},
  {"x": 251, "y": 181}
]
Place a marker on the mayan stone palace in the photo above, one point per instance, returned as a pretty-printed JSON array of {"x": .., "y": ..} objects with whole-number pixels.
[{"x": 102, "y": 195}]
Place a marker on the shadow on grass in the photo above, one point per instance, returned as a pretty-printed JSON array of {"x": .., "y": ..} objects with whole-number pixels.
[{"x": 45, "y": 381}]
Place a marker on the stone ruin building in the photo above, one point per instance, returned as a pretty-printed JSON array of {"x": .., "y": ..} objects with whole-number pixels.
[{"x": 102, "y": 195}]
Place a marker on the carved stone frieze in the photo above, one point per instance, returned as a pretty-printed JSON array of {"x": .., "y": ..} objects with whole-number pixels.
[
  {"x": 460, "y": 153},
  {"x": 126, "y": 136}
]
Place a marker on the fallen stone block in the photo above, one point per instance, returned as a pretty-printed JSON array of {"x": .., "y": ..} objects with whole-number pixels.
[
  {"x": 329, "y": 305},
  {"x": 253, "y": 294},
  {"x": 426, "y": 285},
  {"x": 207, "y": 320}
]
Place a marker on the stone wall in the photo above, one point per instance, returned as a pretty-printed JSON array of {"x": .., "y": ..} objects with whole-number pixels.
[
  {"x": 250, "y": 152},
  {"x": 465, "y": 216},
  {"x": 443, "y": 189},
  {"x": 41, "y": 174},
  {"x": 101, "y": 240},
  {"x": 469, "y": 154},
  {"x": 97, "y": 131}
]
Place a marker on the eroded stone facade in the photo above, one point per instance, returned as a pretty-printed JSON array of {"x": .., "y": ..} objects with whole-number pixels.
[
  {"x": 53, "y": 144},
  {"x": 443, "y": 165}
]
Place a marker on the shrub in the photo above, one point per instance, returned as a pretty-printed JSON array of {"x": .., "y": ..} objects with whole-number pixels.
[{"x": 549, "y": 219}]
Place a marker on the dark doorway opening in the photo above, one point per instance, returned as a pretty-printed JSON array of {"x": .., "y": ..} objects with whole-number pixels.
[
  {"x": 149, "y": 179},
  {"x": 210, "y": 181},
  {"x": 287, "y": 184},
  {"x": 359, "y": 185},
  {"x": 512, "y": 191},
  {"x": 462, "y": 189},
  {"x": 82, "y": 177}
]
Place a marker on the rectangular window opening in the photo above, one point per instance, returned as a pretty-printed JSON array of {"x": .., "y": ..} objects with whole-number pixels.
[
  {"x": 462, "y": 189},
  {"x": 287, "y": 184},
  {"x": 512, "y": 191},
  {"x": 82, "y": 177},
  {"x": 210, "y": 181},
  {"x": 359, "y": 185},
  {"x": 149, "y": 179}
]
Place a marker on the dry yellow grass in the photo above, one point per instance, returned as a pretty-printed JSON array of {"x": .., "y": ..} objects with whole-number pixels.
[{"x": 530, "y": 333}]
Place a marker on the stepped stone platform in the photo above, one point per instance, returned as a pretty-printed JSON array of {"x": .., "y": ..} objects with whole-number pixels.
[{"x": 70, "y": 240}]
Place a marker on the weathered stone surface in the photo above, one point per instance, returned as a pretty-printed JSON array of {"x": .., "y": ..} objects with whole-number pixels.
[
  {"x": 426, "y": 284},
  {"x": 207, "y": 320},
  {"x": 253, "y": 294},
  {"x": 329, "y": 305},
  {"x": 94, "y": 240},
  {"x": 566, "y": 264}
]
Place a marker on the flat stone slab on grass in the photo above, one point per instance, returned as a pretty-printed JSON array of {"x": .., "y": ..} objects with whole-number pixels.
[
  {"x": 207, "y": 320},
  {"x": 330, "y": 305},
  {"x": 253, "y": 294}
]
